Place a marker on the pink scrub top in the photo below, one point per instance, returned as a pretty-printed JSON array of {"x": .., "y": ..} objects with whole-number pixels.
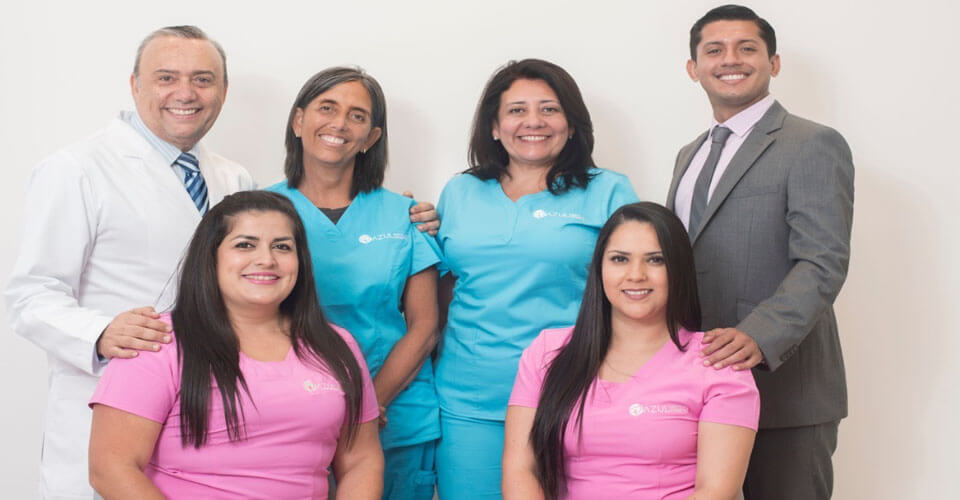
[
  {"x": 640, "y": 436},
  {"x": 292, "y": 425}
]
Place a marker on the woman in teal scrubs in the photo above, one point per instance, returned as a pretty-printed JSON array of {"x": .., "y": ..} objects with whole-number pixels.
[
  {"x": 519, "y": 227},
  {"x": 375, "y": 271}
]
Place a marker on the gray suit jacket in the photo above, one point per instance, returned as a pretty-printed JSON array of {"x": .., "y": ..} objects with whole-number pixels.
[{"x": 771, "y": 257}]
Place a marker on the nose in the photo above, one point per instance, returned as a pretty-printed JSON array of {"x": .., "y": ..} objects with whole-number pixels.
[
  {"x": 731, "y": 56},
  {"x": 184, "y": 92},
  {"x": 534, "y": 119},
  {"x": 638, "y": 271},
  {"x": 264, "y": 257},
  {"x": 339, "y": 121}
]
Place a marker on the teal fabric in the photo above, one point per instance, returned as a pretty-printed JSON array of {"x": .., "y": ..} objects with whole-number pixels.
[
  {"x": 521, "y": 267},
  {"x": 469, "y": 458},
  {"x": 411, "y": 472},
  {"x": 361, "y": 266}
]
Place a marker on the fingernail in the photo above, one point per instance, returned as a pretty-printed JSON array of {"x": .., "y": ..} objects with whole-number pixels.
[
  {"x": 166, "y": 338},
  {"x": 706, "y": 362},
  {"x": 156, "y": 347},
  {"x": 135, "y": 353}
]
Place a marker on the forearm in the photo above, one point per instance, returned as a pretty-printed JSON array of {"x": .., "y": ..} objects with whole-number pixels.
[
  {"x": 404, "y": 361},
  {"x": 708, "y": 493},
  {"x": 122, "y": 481},
  {"x": 520, "y": 484}
]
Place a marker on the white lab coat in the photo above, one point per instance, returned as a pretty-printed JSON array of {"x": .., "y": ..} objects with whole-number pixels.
[{"x": 106, "y": 222}]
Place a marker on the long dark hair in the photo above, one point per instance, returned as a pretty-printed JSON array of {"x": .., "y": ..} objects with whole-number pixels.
[
  {"x": 207, "y": 345},
  {"x": 573, "y": 371},
  {"x": 369, "y": 166},
  {"x": 488, "y": 159}
]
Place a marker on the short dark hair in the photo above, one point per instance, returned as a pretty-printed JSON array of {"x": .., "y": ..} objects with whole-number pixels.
[
  {"x": 369, "y": 166},
  {"x": 488, "y": 159},
  {"x": 733, "y": 12},
  {"x": 207, "y": 345},
  {"x": 572, "y": 372},
  {"x": 188, "y": 32}
]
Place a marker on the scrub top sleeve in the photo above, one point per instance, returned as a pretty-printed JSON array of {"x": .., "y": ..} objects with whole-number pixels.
[
  {"x": 621, "y": 194},
  {"x": 424, "y": 250},
  {"x": 369, "y": 409},
  {"x": 530, "y": 374},
  {"x": 146, "y": 386},
  {"x": 730, "y": 397}
]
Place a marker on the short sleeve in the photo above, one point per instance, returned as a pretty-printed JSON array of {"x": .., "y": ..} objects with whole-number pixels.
[
  {"x": 146, "y": 386},
  {"x": 534, "y": 362},
  {"x": 621, "y": 194},
  {"x": 425, "y": 251},
  {"x": 731, "y": 397},
  {"x": 369, "y": 409}
]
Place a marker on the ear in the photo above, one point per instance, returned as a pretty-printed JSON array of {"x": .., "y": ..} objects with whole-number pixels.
[
  {"x": 775, "y": 63},
  {"x": 372, "y": 138},
  {"x": 692, "y": 70},
  {"x": 133, "y": 85},
  {"x": 495, "y": 130},
  {"x": 297, "y": 125}
]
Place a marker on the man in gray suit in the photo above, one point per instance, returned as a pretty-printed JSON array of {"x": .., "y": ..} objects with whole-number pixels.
[{"x": 767, "y": 198}]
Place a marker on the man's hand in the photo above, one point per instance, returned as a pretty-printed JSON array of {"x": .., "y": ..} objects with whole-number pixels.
[
  {"x": 135, "y": 330},
  {"x": 729, "y": 346},
  {"x": 425, "y": 213}
]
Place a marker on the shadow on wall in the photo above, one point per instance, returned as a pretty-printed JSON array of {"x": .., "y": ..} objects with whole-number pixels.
[{"x": 890, "y": 357}]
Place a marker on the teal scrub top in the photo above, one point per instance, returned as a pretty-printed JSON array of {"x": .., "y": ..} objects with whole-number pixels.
[
  {"x": 521, "y": 267},
  {"x": 361, "y": 265}
]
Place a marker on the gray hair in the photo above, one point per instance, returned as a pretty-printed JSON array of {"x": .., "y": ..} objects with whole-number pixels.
[{"x": 187, "y": 31}]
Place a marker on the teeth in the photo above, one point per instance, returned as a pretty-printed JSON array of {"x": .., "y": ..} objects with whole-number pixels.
[
  {"x": 183, "y": 112},
  {"x": 738, "y": 76},
  {"x": 637, "y": 292},
  {"x": 332, "y": 139},
  {"x": 262, "y": 277},
  {"x": 533, "y": 138}
]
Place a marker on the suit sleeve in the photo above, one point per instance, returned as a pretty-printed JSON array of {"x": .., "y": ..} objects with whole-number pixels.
[
  {"x": 819, "y": 215},
  {"x": 59, "y": 231}
]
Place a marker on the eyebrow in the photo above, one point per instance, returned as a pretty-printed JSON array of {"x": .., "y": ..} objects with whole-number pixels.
[
  {"x": 255, "y": 238},
  {"x": 355, "y": 108},
  {"x": 540, "y": 102},
  {"x": 192, "y": 73},
  {"x": 624, "y": 252}
]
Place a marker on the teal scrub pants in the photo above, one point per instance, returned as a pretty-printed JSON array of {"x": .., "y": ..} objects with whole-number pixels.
[
  {"x": 409, "y": 472},
  {"x": 469, "y": 458}
]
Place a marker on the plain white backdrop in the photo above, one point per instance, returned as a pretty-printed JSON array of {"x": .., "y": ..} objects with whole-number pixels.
[{"x": 881, "y": 73}]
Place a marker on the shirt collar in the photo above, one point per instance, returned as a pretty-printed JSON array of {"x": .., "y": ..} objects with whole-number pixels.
[
  {"x": 167, "y": 151},
  {"x": 742, "y": 123}
]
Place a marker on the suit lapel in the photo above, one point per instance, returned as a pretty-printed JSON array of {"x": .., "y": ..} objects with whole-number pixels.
[
  {"x": 683, "y": 162},
  {"x": 751, "y": 149}
]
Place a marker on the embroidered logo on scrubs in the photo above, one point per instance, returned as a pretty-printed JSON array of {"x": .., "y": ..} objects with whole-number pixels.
[
  {"x": 637, "y": 409},
  {"x": 367, "y": 239},
  {"x": 540, "y": 214},
  {"x": 311, "y": 386}
]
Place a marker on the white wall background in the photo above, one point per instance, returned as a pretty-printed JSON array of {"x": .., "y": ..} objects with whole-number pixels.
[{"x": 881, "y": 73}]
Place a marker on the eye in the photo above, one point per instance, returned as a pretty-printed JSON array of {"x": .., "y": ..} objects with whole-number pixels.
[
  {"x": 359, "y": 117},
  {"x": 618, "y": 258},
  {"x": 749, "y": 49},
  {"x": 551, "y": 109},
  {"x": 165, "y": 78},
  {"x": 243, "y": 244},
  {"x": 656, "y": 260},
  {"x": 712, "y": 52},
  {"x": 284, "y": 247},
  {"x": 325, "y": 108},
  {"x": 203, "y": 80},
  {"x": 516, "y": 110}
]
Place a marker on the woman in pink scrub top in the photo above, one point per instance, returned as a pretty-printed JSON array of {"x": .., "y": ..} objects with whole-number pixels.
[
  {"x": 257, "y": 395},
  {"x": 621, "y": 405}
]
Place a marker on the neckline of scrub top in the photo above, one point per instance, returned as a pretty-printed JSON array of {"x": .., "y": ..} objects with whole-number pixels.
[
  {"x": 643, "y": 368},
  {"x": 324, "y": 220},
  {"x": 523, "y": 200}
]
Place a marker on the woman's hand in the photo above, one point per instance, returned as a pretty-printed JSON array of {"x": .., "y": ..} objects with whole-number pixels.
[{"x": 121, "y": 444}]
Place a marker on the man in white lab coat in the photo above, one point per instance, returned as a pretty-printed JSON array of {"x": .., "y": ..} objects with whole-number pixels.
[{"x": 105, "y": 224}]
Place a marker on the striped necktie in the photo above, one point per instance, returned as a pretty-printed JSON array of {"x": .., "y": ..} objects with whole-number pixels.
[{"x": 193, "y": 180}]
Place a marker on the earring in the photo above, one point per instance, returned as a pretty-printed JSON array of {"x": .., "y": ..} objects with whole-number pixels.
[
  {"x": 363, "y": 151},
  {"x": 495, "y": 138}
]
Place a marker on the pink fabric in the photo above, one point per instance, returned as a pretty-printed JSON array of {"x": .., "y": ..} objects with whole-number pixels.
[
  {"x": 640, "y": 436},
  {"x": 292, "y": 426},
  {"x": 741, "y": 124}
]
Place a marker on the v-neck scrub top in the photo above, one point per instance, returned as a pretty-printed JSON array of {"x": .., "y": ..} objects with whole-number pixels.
[
  {"x": 520, "y": 267},
  {"x": 292, "y": 416},
  {"x": 640, "y": 436},
  {"x": 361, "y": 265}
]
